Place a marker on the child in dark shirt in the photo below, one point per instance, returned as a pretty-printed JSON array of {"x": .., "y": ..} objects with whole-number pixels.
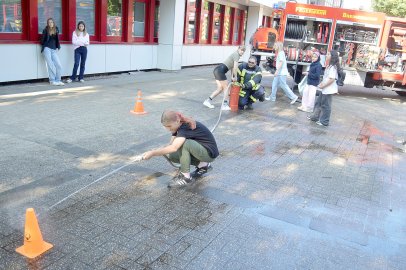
[
  {"x": 313, "y": 80},
  {"x": 191, "y": 143}
]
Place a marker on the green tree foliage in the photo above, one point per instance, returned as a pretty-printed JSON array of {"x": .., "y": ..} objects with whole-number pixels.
[
  {"x": 396, "y": 8},
  {"x": 113, "y": 7}
]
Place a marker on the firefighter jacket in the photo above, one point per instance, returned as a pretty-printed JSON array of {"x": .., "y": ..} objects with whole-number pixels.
[{"x": 249, "y": 79}]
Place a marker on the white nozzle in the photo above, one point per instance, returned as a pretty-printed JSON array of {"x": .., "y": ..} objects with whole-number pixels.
[{"x": 137, "y": 158}]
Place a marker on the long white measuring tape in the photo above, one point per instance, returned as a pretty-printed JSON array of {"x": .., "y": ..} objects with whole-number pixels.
[{"x": 134, "y": 159}]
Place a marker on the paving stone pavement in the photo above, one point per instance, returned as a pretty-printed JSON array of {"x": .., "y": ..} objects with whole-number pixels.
[{"x": 284, "y": 193}]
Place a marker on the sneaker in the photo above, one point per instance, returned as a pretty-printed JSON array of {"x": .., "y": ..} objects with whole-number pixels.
[
  {"x": 321, "y": 124},
  {"x": 69, "y": 80},
  {"x": 300, "y": 108},
  {"x": 180, "y": 181},
  {"x": 270, "y": 99},
  {"x": 82, "y": 81},
  {"x": 225, "y": 107},
  {"x": 200, "y": 171},
  {"x": 308, "y": 110},
  {"x": 208, "y": 104},
  {"x": 294, "y": 100},
  {"x": 310, "y": 118},
  {"x": 261, "y": 98},
  {"x": 60, "y": 83},
  {"x": 53, "y": 83}
]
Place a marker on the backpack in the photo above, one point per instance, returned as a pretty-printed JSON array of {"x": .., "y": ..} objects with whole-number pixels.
[{"x": 340, "y": 77}]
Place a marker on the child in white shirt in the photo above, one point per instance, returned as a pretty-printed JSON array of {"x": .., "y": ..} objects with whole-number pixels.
[
  {"x": 322, "y": 108},
  {"x": 80, "y": 40}
]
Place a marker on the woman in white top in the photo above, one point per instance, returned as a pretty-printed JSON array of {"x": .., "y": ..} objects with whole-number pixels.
[
  {"x": 322, "y": 108},
  {"x": 280, "y": 75},
  {"x": 80, "y": 40}
]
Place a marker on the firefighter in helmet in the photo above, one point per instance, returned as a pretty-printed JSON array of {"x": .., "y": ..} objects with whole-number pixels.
[{"x": 249, "y": 77}]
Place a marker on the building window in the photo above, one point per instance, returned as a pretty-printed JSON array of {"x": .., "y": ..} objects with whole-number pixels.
[
  {"x": 139, "y": 19},
  {"x": 266, "y": 21},
  {"x": 85, "y": 12},
  {"x": 205, "y": 22},
  {"x": 237, "y": 26},
  {"x": 49, "y": 9},
  {"x": 156, "y": 21},
  {"x": 244, "y": 25},
  {"x": 217, "y": 23},
  {"x": 227, "y": 25},
  {"x": 191, "y": 23},
  {"x": 114, "y": 17},
  {"x": 10, "y": 16}
]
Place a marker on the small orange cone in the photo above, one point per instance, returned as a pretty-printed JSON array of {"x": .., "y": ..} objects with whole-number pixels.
[
  {"x": 34, "y": 245},
  {"x": 139, "y": 106}
]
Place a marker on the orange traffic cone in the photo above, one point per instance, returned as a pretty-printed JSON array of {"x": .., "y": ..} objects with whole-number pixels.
[
  {"x": 139, "y": 106},
  {"x": 34, "y": 245}
]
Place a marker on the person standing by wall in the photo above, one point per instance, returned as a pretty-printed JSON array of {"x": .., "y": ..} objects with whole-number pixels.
[
  {"x": 80, "y": 40},
  {"x": 322, "y": 108},
  {"x": 313, "y": 80},
  {"x": 231, "y": 63},
  {"x": 49, "y": 46},
  {"x": 280, "y": 75}
]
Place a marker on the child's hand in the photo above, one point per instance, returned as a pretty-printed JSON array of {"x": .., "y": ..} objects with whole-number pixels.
[{"x": 147, "y": 155}]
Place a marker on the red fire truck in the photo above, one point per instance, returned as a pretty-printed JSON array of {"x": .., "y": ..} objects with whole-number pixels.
[{"x": 360, "y": 37}]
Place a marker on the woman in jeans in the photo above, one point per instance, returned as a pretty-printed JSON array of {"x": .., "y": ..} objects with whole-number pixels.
[
  {"x": 280, "y": 75},
  {"x": 191, "y": 143},
  {"x": 49, "y": 46},
  {"x": 80, "y": 40},
  {"x": 328, "y": 87}
]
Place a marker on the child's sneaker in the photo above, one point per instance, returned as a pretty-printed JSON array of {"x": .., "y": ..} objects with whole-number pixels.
[
  {"x": 69, "y": 80},
  {"x": 180, "y": 181},
  {"x": 200, "y": 171},
  {"x": 208, "y": 104},
  {"x": 294, "y": 100},
  {"x": 225, "y": 107},
  {"x": 321, "y": 124}
]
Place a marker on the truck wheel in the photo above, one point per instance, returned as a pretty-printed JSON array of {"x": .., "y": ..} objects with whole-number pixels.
[{"x": 401, "y": 93}]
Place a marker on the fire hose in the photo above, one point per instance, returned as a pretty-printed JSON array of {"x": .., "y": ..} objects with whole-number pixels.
[{"x": 137, "y": 158}]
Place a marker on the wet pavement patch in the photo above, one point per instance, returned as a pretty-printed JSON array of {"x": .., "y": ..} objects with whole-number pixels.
[
  {"x": 285, "y": 215},
  {"x": 227, "y": 197},
  {"x": 339, "y": 231}
]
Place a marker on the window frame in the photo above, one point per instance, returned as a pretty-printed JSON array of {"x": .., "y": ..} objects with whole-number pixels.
[
  {"x": 231, "y": 22},
  {"x": 24, "y": 22},
  {"x": 240, "y": 19},
  {"x": 221, "y": 18},
  {"x": 157, "y": 6},
  {"x": 104, "y": 36},
  {"x": 209, "y": 23},
  {"x": 186, "y": 39},
  {"x": 97, "y": 20},
  {"x": 146, "y": 21},
  {"x": 31, "y": 25},
  {"x": 266, "y": 21}
]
